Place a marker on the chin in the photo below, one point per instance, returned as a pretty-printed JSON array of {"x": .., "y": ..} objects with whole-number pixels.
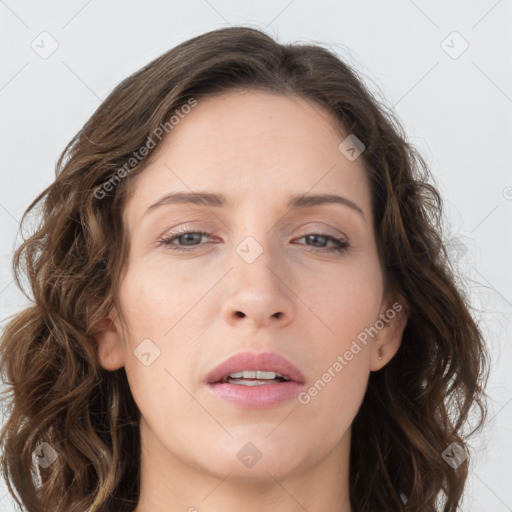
[{"x": 257, "y": 461}]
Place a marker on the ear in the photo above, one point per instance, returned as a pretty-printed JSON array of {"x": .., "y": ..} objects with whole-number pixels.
[
  {"x": 108, "y": 335},
  {"x": 393, "y": 317}
]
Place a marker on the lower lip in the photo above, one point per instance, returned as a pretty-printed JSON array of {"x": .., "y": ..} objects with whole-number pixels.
[{"x": 263, "y": 396}]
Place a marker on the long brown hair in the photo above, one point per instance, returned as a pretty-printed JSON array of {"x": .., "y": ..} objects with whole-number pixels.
[{"x": 415, "y": 408}]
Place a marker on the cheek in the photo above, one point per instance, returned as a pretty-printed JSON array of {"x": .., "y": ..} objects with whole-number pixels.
[
  {"x": 162, "y": 387},
  {"x": 345, "y": 301},
  {"x": 160, "y": 343},
  {"x": 345, "y": 306},
  {"x": 155, "y": 297},
  {"x": 335, "y": 391}
]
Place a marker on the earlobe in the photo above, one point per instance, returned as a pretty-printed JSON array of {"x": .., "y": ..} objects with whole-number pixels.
[
  {"x": 107, "y": 334},
  {"x": 389, "y": 338}
]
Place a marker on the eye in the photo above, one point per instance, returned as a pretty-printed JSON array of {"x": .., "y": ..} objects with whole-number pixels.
[
  {"x": 321, "y": 238},
  {"x": 192, "y": 239},
  {"x": 186, "y": 236}
]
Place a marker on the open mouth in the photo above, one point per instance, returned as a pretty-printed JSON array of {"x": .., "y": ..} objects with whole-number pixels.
[{"x": 254, "y": 378}]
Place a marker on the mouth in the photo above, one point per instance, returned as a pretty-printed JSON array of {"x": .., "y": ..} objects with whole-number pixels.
[
  {"x": 256, "y": 380},
  {"x": 249, "y": 368}
]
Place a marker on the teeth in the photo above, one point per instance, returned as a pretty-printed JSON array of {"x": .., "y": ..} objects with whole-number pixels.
[
  {"x": 266, "y": 375},
  {"x": 244, "y": 382},
  {"x": 260, "y": 375}
]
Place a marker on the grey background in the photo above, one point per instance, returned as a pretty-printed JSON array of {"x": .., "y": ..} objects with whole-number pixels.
[{"x": 456, "y": 107}]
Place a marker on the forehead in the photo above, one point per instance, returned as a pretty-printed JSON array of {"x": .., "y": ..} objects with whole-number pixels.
[{"x": 254, "y": 147}]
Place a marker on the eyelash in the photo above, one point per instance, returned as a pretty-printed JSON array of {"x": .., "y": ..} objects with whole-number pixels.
[{"x": 341, "y": 248}]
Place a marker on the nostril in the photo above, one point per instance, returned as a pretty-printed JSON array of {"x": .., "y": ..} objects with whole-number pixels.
[{"x": 240, "y": 314}]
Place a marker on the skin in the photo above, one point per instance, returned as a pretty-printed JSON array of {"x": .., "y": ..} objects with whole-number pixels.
[{"x": 257, "y": 149}]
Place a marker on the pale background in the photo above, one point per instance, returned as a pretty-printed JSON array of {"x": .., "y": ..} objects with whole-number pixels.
[{"x": 456, "y": 107}]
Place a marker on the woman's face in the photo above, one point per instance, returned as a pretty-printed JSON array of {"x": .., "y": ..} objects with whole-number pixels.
[{"x": 266, "y": 277}]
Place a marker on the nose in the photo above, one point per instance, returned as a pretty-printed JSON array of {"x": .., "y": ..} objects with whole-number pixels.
[{"x": 260, "y": 293}]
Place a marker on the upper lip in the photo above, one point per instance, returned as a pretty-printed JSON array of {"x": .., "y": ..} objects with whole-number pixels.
[{"x": 265, "y": 361}]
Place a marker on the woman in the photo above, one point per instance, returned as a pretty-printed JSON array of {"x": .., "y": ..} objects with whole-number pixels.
[{"x": 242, "y": 301}]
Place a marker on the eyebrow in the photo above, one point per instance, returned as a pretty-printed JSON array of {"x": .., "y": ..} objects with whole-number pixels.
[{"x": 297, "y": 201}]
